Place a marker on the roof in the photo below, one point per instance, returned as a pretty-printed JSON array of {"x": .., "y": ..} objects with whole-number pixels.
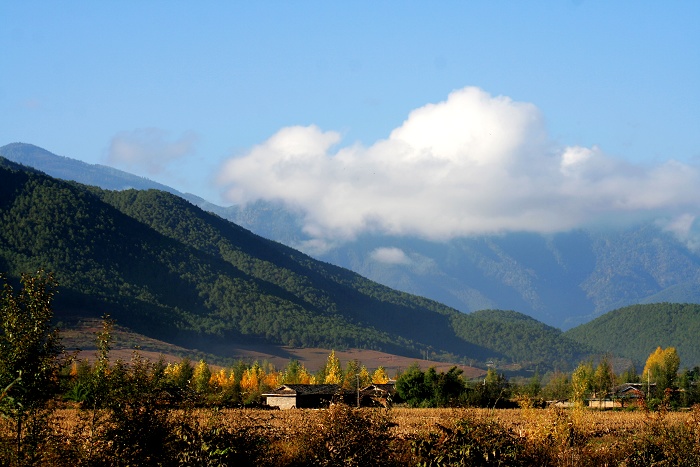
[
  {"x": 305, "y": 389},
  {"x": 387, "y": 387}
]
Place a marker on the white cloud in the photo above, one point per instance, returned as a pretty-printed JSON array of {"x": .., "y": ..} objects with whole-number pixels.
[
  {"x": 390, "y": 255},
  {"x": 472, "y": 164},
  {"x": 149, "y": 149}
]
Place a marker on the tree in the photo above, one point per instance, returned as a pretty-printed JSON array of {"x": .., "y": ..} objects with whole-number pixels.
[
  {"x": 380, "y": 376},
  {"x": 332, "y": 370},
  {"x": 201, "y": 377},
  {"x": 352, "y": 371},
  {"x": 630, "y": 375},
  {"x": 365, "y": 379},
  {"x": 603, "y": 378},
  {"x": 662, "y": 368},
  {"x": 30, "y": 346},
  {"x": 296, "y": 373},
  {"x": 581, "y": 382},
  {"x": 30, "y": 351},
  {"x": 447, "y": 387},
  {"x": 558, "y": 387},
  {"x": 411, "y": 387}
]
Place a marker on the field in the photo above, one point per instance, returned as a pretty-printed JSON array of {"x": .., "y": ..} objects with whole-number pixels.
[
  {"x": 80, "y": 334},
  {"x": 400, "y": 436}
]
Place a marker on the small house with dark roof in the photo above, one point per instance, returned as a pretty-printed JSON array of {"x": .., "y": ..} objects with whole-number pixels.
[
  {"x": 378, "y": 395},
  {"x": 622, "y": 396},
  {"x": 307, "y": 396}
]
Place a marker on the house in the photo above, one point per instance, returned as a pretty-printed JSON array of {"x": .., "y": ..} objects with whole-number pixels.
[
  {"x": 621, "y": 396},
  {"x": 378, "y": 395},
  {"x": 307, "y": 396}
]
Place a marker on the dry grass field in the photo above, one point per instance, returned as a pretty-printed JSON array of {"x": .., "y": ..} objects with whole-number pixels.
[{"x": 398, "y": 436}]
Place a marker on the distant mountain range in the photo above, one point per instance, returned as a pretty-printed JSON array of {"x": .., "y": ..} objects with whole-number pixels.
[
  {"x": 561, "y": 279},
  {"x": 170, "y": 270}
]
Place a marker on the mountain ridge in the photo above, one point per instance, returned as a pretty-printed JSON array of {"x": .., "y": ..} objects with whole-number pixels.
[
  {"x": 170, "y": 270},
  {"x": 562, "y": 279}
]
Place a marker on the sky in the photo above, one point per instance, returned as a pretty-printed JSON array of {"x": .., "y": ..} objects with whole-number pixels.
[{"x": 429, "y": 119}]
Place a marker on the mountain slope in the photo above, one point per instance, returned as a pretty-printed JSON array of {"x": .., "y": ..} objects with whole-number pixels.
[
  {"x": 170, "y": 270},
  {"x": 636, "y": 331},
  {"x": 562, "y": 279}
]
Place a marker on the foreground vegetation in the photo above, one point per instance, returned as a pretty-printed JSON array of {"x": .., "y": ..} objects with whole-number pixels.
[
  {"x": 152, "y": 413},
  {"x": 345, "y": 436}
]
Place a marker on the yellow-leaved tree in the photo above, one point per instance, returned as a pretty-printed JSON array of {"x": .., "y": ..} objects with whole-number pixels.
[
  {"x": 222, "y": 380},
  {"x": 380, "y": 376},
  {"x": 333, "y": 372},
  {"x": 662, "y": 368},
  {"x": 365, "y": 379}
]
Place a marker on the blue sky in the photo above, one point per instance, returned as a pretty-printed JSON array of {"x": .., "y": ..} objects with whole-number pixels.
[{"x": 237, "y": 101}]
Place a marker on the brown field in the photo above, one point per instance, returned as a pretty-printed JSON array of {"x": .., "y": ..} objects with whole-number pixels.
[
  {"x": 81, "y": 335},
  {"x": 409, "y": 422},
  {"x": 345, "y": 436}
]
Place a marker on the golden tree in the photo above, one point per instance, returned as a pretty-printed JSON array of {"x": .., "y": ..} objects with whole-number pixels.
[
  {"x": 333, "y": 372},
  {"x": 662, "y": 367},
  {"x": 365, "y": 379},
  {"x": 380, "y": 376},
  {"x": 250, "y": 380},
  {"x": 222, "y": 380}
]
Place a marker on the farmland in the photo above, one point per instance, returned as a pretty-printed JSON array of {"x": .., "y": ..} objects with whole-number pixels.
[{"x": 342, "y": 435}]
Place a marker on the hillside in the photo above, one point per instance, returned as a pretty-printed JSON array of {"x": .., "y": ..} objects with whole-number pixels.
[
  {"x": 636, "y": 331},
  {"x": 169, "y": 270},
  {"x": 562, "y": 279}
]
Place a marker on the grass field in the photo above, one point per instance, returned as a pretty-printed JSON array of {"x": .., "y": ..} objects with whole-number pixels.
[{"x": 342, "y": 435}]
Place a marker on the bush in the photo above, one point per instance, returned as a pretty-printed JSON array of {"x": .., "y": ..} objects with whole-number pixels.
[
  {"x": 346, "y": 436},
  {"x": 470, "y": 443}
]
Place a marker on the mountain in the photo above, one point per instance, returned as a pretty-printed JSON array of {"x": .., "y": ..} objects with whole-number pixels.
[
  {"x": 562, "y": 279},
  {"x": 170, "y": 270},
  {"x": 636, "y": 331}
]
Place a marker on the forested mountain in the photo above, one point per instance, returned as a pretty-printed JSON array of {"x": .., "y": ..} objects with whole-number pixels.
[
  {"x": 636, "y": 331},
  {"x": 561, "y": 279},
  {"x": 168, "y": 269}
]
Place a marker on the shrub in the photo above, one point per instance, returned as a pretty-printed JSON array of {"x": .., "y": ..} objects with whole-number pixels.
[
  {"x": 470, "y": 443},
  {"x": 346, "y": 436}
]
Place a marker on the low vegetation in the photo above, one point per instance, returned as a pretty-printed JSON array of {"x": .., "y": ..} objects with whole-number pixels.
[
  {"x": 345, "y": 436},
  {"x": 142, "y": 412}
]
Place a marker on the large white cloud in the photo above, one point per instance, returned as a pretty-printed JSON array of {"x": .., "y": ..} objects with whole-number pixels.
[{"x": 473, "y": 164}]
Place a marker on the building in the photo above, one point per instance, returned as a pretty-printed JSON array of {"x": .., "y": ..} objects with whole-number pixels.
[
  {"x": 378, "y": 395},
  {"x": 622, "y": 396},
  {"x": 305, "y": 396}
]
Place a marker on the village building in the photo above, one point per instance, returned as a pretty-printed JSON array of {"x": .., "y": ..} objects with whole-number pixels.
[
  {"x": 316, "y": 396},
  {"x": 621, "y": 396},
  {"x": 378, "y": 395},
  {"x": 305, "y": 396}
]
